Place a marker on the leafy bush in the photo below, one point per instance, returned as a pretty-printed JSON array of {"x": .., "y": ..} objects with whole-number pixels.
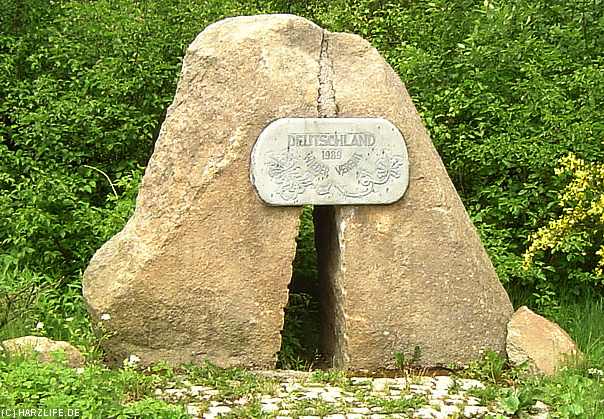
[
  {"x": 84, "y": 87},
  {"x": 506, "y": 89},
  {"x": 300, "y": 334},
  {"x": 305, "y": 275}
]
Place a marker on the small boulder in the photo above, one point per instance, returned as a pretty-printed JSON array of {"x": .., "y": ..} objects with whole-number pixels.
[
  {"x": 539, "y": 341},
  {"x": 45, "y": 348}
]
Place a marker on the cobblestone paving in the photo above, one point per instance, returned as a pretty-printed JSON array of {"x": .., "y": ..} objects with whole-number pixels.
[{"x": 298, "y": 396}]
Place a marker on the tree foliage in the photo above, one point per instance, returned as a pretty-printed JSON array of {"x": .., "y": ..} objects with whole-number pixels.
[{"x": 506, "y": 88}]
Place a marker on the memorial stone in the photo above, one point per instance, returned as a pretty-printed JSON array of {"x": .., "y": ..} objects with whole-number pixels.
[{"x": 201, "y": 270}]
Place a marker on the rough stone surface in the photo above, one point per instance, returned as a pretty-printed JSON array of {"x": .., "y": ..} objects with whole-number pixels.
[
  {"x": 414, "y": 273},
  {"x": 539, "y": 341},
  {"x": 45, "y": 348},
  {"x": 330, "y": 161},
  {"x": 202, "y": 267}
]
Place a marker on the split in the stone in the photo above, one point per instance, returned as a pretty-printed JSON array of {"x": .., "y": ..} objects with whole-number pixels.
[{"x": 201, "y": 270}]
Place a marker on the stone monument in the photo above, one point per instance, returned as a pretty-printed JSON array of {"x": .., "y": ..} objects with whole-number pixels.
[{"x": 201, "y": 270}]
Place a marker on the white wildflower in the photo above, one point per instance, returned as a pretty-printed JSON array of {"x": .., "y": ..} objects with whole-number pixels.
[
  {"x": 39, "y": 326},
  {"x": 595, "y": 372},
  {"x": 79, "y": 370}
]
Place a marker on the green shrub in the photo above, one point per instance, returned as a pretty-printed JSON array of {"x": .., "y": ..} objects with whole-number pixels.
[{"x": 84, "y": 87}]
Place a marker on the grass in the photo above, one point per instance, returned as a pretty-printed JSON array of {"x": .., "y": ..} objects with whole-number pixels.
[
  {"x": 401, "y": 405},
  {"x": 577, "y": 391},
  {"x": 94, "y": 391},
  {"x": 584, "y": 321},
  {"x": 314, "y": 407},
  {"x": 231, "y": 383}
]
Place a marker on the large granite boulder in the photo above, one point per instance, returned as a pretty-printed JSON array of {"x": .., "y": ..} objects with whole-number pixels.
[
  {"x": 409, "y": 275},
  {"x": 201, "y": 269}
]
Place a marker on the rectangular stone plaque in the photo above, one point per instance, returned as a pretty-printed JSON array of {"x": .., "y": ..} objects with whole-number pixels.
[{"x": 330, "y": 161}]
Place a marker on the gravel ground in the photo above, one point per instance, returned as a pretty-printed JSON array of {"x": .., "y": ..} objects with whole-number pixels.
[{"x": 295, "y": 395}]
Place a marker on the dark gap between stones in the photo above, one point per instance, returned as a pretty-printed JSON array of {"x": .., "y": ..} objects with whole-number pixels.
[
  {"x": 303, "y": 328},
  {"x": 328, "y": 253}
]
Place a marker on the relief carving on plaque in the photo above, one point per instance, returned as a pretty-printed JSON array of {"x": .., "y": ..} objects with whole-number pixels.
[
  {"x": 293, "y": 174},
  {"x": 330, "y": 161}
]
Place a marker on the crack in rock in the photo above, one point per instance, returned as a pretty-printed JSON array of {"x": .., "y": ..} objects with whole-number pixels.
[{"x": 326, "y": 102}]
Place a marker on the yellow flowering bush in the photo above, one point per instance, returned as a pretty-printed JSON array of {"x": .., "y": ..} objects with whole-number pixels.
[{"x": 580, "y": 227}]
